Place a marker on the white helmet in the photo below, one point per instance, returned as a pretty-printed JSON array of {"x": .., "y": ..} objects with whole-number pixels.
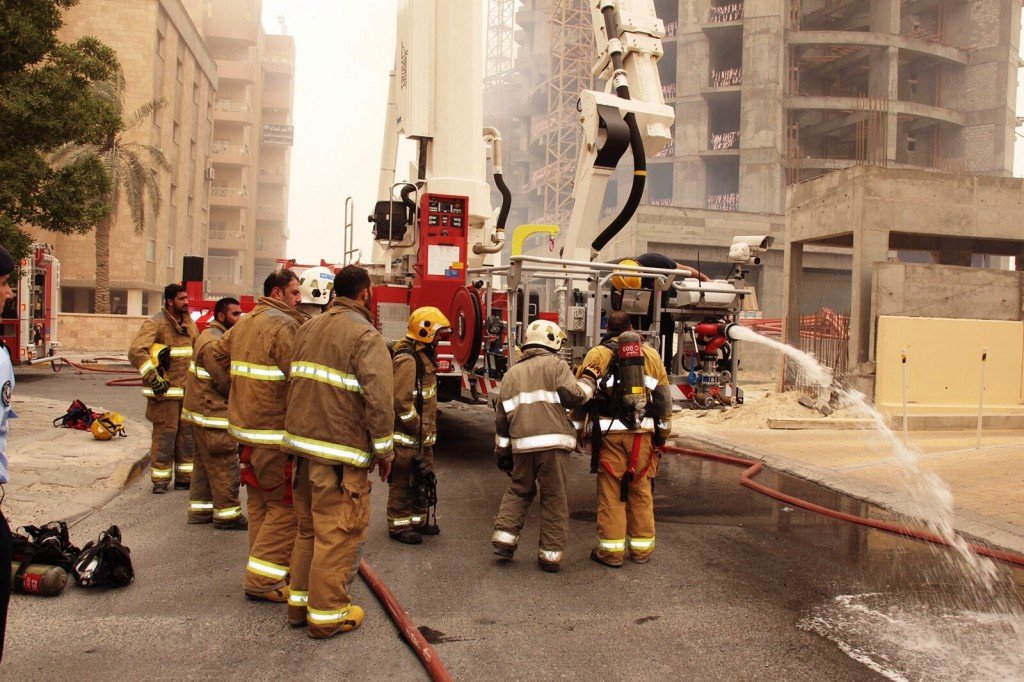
[
  {"x": 544, "y": 334},
  {"x": 316, "y": 285}
]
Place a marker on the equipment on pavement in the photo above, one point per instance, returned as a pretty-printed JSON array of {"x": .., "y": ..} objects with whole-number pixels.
[
  {"x": 40, "y": 579},
  {"x": 78, "y": 417},
  {"x": 105, "y": 562},
  {"x": 108, "y": 425}
]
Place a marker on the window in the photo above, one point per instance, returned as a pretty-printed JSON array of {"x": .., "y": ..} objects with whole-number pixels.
[
  {"x": 191, "y": 205},
  {"x": 179, "y": 71},
  {"x": 911, "y": 142},
  {"x": 176, "y": 133},
  {"x": 151, "y": 251},
  {"x": 174, "y": 195},
  {"x": 170, "y": 256},
  {"x": 195, "y": 91},
  {"x": 192, "y": 149},
  {"x": 160, "y": 45}
]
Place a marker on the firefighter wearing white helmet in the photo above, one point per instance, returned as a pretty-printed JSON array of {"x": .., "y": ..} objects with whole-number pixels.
[
  {"x": 317, "y": 287},
  {"x": 533, "y": 439},
  {"x": 413, "y": 487}
]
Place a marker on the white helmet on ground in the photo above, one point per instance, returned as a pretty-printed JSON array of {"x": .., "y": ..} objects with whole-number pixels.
[
  {"x": 316, "y": 285},
  {"x": 544, "y": 334}
]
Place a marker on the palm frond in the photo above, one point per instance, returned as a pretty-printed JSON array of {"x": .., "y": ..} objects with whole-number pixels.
[
  {"x": 143, "y": 113},
  {"x": 134, "y": 188},
  {"x": 112, "y": 90},
  {"x": 70, "y": 154},
  {"x": 157, "y": 156},
  {"x": 115, "y": 169}
]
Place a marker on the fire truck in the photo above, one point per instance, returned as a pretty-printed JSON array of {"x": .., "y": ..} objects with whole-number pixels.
[
  {"x": 437, "y": 240},
  {"x": 30, "y": 319}
]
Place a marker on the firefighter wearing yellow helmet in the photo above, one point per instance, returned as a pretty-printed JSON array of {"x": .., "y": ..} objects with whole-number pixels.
[
  {"x": 161, "y": 351},
  {"x": 413, "y": 490},
  {"x": 624, "y": 280}
]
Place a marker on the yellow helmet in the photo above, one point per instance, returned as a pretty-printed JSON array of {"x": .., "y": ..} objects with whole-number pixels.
[
  {"x": 107, "y": 426},
  {"x": 425, "y": 323},
  {"x": 161, "y": 357},
  {"x": 621, "y": 282}
]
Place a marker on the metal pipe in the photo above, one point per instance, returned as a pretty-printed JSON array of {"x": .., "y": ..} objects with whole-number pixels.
[{"x": 498, "y": 238}]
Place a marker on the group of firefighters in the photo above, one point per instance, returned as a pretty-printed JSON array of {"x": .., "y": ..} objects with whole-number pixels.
[{"x": 302, "y": 398}]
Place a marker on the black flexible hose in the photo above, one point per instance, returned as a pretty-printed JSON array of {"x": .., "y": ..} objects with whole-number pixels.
[
  {"x": 506, "y": 201},
  {"x": 636, "y": 147},
  {"x": 410, "y": 205}
]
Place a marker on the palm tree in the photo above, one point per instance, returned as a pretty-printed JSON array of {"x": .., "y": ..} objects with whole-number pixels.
[{"x": 134, "y": 170}]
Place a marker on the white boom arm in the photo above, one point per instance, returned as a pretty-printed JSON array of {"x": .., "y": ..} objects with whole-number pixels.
[{"x": 627, "y": 60}]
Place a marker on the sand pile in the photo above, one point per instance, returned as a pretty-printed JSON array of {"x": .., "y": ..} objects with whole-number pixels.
[{"x": 754, "y": 413}]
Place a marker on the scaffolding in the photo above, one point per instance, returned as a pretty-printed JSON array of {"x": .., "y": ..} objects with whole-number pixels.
[
  {"x": 501, "y": 26},
  {"x": 572, "y": 59}
]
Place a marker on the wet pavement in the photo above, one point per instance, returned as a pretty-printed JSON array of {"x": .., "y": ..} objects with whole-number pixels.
[{"x": 741, "y": 587}]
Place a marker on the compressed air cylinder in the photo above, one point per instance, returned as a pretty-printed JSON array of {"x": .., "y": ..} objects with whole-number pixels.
[{"x": 46, "y": 581}]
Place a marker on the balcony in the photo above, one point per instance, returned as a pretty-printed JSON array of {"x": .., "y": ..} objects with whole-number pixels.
[
  {"x": 225, "y": 285},
  {"x": 273, "y": 213},
  {"x": 227, "y": 240},
  {"x": 230, "y": 20},
  {"x": 225, "y": 110},
  {"x": 236, "y": 70},
  {"x": 278, "y": 64},
  {"x": 231, "y": 154},
  {"x": 280, "y": 100},
  {"x": 231, "y": 197},
  {"x": 273, "y": 176}
]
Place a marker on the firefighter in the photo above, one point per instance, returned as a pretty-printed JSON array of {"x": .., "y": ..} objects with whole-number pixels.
[
  {"x": 161, "y": 351},
  {"x": 259, "y": 350},
  {"x": 6, "y": 388},
  {"x": 629, "y": 419},
  {"x": 317, "y": 285},
  {"x": 340, "y": 425},
  {"x": 413, "y": 488},
  {"x": 213, "y": 495},
  {"x": 533, "y": 439}
]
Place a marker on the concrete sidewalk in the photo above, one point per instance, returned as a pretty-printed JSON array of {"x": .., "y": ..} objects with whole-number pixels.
[
  {"x": 65, "y": 474},
  {"x": 987, "y": 482}
]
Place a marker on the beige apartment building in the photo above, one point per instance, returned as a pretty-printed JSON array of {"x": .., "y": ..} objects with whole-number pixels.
[
  {"x": 227, "y": 131},
  {"x": 252, "y": 120},
  {"x": 163, "y": 55}
]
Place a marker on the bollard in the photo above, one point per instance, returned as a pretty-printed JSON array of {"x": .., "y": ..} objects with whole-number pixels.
[
  {"x": 981, "y": 396},
  {"x": 41, "y": 579}
]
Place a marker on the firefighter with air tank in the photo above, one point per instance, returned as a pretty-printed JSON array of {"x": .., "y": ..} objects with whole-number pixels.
[
  {"x": 629, "y": 418},
  {"x": 413, "y": 486}
]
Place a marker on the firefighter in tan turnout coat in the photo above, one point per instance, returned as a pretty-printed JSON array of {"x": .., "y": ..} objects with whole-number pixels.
[
  {"x": 412, "y": 487},
  {"x": 213, "y": 495},
  {"x": 161, "y": 351},
  {"x": 534, "y": 437},
  {"x": 259, "y": 350},
  {"x": 340, "y": 425}
]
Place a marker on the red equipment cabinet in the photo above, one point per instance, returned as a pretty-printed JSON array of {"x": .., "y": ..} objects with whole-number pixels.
[{"x": 440, "y": 268}]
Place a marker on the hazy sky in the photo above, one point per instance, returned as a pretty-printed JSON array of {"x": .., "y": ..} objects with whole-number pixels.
[{"x": 344, "y": 50}]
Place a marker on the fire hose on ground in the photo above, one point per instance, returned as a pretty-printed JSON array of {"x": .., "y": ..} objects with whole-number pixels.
[
  {"x": 59, "y": 361},
  {"x": 754, "y": 468}
]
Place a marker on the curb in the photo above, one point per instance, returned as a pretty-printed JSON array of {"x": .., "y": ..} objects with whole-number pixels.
[
  {"x": 975, "y": 527},
  {"x": 135, "y": 469}
]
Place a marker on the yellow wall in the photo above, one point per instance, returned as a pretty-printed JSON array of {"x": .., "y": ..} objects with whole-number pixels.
[
  {"x": 944, "y": 365},
  {"x": 97, "y": 333}
]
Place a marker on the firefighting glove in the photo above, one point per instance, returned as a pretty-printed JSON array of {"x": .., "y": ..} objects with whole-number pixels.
[
  {"x": 159, "y": 385},
  {"x": 505, "y": 462}
]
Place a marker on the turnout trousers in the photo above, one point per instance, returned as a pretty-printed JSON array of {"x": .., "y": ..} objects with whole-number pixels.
[
  {"x": 332, "y": 508},
  {"x": 170, "y": 455},
  {"x": 271, "y": 519},
  {"x": 403, "y": 512},
  {"x": 534, "y": 472},
  {"x": 629, "y": 523},
  {"x": 213, "y": 494}
]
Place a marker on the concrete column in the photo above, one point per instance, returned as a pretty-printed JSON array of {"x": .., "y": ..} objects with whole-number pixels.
[
  {"x": 793, "y": 279},
  {"x": 884, "y": 64},
  {"x": 135, "y": 301},
  {"x": 869, "y": 247}
]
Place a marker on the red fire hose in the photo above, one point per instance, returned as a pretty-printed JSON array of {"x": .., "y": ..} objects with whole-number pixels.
[
  {"x": 754, "y": 468},
  {"x": 420, "y": 646},
  {"x": 135, "y": 380}
]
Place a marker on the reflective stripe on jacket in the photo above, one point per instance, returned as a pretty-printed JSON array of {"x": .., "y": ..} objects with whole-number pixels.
[
  {"x": 535, "y": 394},
  {"x": 409, "y": 421},
  {"x": 258, "y": 352},
  {"x": 659, "y": 414},
  {"x": 162, "y": 328},
  {"x": 206, "y": 390},
  {"x": 340, "y": 398}
]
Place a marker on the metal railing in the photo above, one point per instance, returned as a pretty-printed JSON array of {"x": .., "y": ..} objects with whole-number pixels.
[
  {"x": 229, "y": 149},
  {"x": 228, "y": 192},
  {"x": 225, "y": 105}
]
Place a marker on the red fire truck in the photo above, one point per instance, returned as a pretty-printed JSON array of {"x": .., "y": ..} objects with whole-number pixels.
[{"x": 29, "y": 320}]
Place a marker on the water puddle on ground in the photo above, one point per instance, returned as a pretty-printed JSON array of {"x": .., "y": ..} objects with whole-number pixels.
[{"x": 906, "y": 609}]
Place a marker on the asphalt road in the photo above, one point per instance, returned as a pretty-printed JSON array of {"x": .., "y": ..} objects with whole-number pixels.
[{"x": 720, "y": 599}]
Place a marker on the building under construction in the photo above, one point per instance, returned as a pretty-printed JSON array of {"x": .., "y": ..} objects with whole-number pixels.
[{"x": 767, "y": 94}]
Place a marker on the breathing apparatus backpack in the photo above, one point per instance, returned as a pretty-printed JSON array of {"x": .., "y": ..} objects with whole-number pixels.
[
  {"x": 629, "y": 398},
  {"x": 421, "y": 477},
  {"x": 105, "y": 562}
]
